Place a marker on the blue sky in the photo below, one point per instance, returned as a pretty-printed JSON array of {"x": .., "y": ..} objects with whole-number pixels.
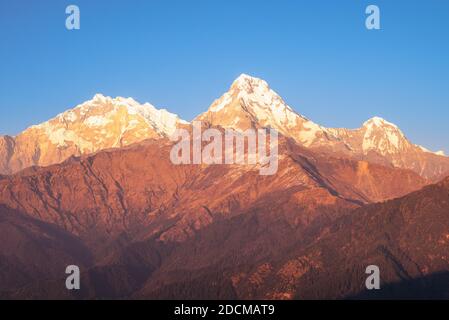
[{"x": 181, "y": 55}]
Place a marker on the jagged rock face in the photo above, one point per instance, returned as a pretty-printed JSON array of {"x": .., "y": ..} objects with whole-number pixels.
[{"x": 97, "y": 124}]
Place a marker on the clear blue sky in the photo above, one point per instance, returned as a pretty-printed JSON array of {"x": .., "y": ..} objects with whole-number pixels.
[{"x": 183, "y": 54}]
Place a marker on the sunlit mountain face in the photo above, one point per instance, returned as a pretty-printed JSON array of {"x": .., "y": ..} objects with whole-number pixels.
[
  {"x": 104, "y": 122},
  {"x": 96, "y": 187}
]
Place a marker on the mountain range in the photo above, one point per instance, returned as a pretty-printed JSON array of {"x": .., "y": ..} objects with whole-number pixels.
[
  {"x": 95, "y": 187},
  {"x": 104, "y": 122}
]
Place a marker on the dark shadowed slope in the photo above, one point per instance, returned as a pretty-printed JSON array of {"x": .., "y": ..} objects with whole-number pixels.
[
  {"x": 408, "y": 238},
  {"x": 33, "y": 251}
]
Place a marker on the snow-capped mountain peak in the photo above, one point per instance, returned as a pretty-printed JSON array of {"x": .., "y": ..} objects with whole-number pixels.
[
  {"x": 390, "y": 132},
  {"x": 250, "y": 102},
  {"x": 378, "y": 122},
  {"x": 160, "y": 120},
  {"x": 257, "y": 94},
  {"x": 381, "y": 141},
  {"x": 383, "y": 136},
  {"x": 104, "y": 122},
  {"x": 99, "y": 123},
  {"x": 248, "y": 83}
]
